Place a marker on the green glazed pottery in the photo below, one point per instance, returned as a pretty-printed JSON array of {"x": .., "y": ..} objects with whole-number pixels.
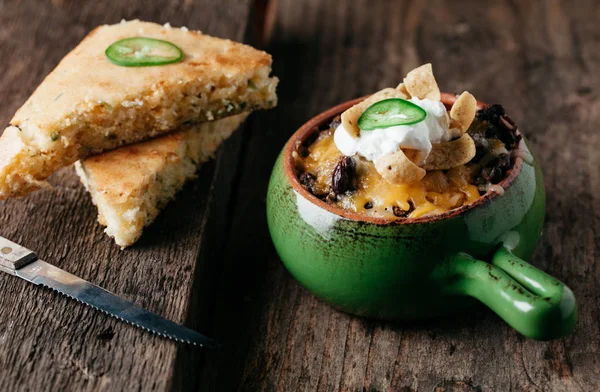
[{"x": 423, "y": 267}]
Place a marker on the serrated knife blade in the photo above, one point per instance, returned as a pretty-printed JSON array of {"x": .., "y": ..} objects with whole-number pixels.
[{"x": 19, "y": 261}]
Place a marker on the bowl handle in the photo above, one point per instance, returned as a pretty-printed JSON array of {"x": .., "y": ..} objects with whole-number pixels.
[{"x": 529, "y": 300}]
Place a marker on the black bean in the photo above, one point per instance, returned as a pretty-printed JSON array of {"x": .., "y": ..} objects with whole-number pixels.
[
  {"x": 336, "y": 122},
  {"x": 491, "y": 114},
  {"x": 496, "y": 169},
  {"x": 481, "y": 144},
  {"x": 508, "y": 135},
  {"x": 308, "y": 182},
  {"x": 507, "y": 123},
  {"x": 343, "y": 176},
  {"x": 310, "y": 139},
  {"x": 399, "y": 212},
  {"x": 368, "y": 205},
  {"x": 303, "y": 151},
  {"x": 499, "y": 125}
]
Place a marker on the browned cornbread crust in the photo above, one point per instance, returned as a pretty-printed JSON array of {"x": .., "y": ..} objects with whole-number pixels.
[
  {"x": 130, "y": 185},
  {"x": 88, "y": 105}
]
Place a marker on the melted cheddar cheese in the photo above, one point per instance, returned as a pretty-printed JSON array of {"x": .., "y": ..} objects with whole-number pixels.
[{"x": 436, "y": 193}]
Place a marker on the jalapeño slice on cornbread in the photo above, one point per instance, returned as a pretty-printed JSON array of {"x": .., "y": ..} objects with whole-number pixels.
[
  {"x": 130, "y": 185},
  {"x": 88, "y": 104}
]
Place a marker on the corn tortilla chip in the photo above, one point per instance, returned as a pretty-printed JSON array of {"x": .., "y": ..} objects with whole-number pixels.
[
  {"x": 402, "y": 88},
  {"x": 463, "y": 112},
  {"x": 436, "y": 181},
  {"x": 444, "y": 156},
  {"x": 396, "y": 168},
  {"x": 421, "y": 83}
]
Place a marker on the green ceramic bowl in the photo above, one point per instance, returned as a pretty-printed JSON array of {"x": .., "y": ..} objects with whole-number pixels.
[{"x": 423, "y": 267}]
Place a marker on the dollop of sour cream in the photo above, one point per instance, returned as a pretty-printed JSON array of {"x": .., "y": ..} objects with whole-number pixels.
[{"x": 374, "y": 144}]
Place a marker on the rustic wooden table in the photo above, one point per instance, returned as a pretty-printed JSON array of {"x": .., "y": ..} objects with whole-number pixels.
[{"x": 208, "y": 261}]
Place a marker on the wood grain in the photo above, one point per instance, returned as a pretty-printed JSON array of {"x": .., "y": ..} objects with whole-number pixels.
[
  {"x": 209, "y": 261},
  {"x": 536, "y": 58},
  {"x": 49, "y": 342}
]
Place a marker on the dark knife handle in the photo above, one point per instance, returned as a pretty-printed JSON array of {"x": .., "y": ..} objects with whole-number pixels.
[{"x": 14, "y": 256}]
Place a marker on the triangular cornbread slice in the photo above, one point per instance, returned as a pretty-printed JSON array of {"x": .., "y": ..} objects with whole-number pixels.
[
  {"x": 132, "y": 184},
  {"x": 88, "y": 105}
]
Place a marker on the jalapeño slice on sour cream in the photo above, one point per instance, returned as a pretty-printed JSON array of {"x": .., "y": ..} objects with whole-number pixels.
[
  {"x": 143, "y": 52},
  {"x": 390, "y": 113}
]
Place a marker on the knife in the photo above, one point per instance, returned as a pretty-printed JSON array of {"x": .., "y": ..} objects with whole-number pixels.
[{"x": 19, "y": 261}]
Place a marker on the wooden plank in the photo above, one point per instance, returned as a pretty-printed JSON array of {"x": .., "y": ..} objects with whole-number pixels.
[
  {"x": 47, "y": 341},
  {"x": 539, "y": 60}
]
